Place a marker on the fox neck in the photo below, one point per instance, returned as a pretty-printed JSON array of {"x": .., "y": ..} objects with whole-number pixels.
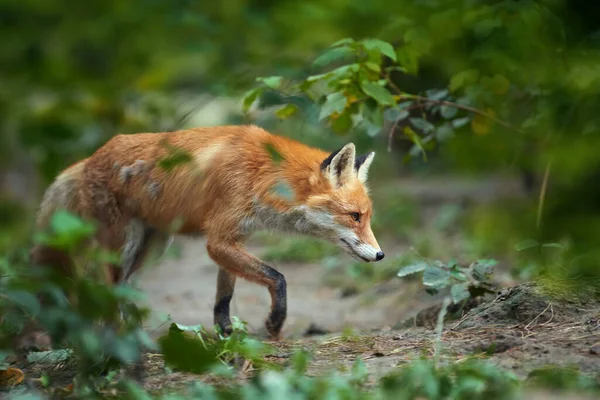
[{"x": 294, "y": 219}]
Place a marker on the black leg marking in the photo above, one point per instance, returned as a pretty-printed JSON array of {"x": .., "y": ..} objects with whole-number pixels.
[
  {"x": 221, "y": 314},
  {"x": 278, "y": 291}
]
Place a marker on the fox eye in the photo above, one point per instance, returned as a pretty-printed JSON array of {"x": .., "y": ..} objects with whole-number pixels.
[{"x": 355, "y": 216}]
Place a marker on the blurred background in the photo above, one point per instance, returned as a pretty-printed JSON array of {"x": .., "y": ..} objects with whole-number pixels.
[{"x": 510, "y": 174}]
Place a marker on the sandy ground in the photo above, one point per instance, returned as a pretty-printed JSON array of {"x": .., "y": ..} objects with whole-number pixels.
[{"x": 184, "y": 289}]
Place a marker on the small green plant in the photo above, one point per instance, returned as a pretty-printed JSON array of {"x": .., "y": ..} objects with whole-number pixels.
[
  {"x": 200, "y": 351},
  {"x": 464, "y": 282}
]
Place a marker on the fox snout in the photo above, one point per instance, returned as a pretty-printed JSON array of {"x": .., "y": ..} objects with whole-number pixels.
[{"x": 362, "y": 251}]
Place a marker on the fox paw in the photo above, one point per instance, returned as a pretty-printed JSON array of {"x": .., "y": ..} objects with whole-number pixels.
[
  {"x": 225, "y": 327},
  {"x": 274, "y": 329}
]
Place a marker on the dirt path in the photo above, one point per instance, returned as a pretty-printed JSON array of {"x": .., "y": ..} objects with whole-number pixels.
[{"x": 184, "y": 288}]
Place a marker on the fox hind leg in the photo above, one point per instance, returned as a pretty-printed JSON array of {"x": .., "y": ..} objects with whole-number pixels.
[
  {"x": 138, "y": 240},
  {"x": 225, "y": 288}
]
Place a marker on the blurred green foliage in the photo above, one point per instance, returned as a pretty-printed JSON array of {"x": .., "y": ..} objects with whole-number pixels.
[
  {"x": 79, "y": 312},
  {"x": 470, "y": 86}
]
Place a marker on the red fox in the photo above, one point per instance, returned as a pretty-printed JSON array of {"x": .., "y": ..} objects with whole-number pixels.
[{"x": 239, "y": 179}]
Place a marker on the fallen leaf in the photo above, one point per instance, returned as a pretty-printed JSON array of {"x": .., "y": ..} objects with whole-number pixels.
[{"x": 11, "y": 377}]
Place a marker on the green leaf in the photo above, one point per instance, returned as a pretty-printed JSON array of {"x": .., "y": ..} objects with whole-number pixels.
[
  {"x": 274, "y": 154},
  {"x": 372, "y": 129},
  {"x": 190, "y": 328},
  {"x": 145, "y": 340},
  {"x": 384, "y": 48},
  {"x": 378, "y": 93},
  {"x": 360, "y": 373},
  {"x": 90, "y": 343},
  {"x": 250, "y": 97},
  {"x": 463, "y": 79},
  {"x": 483, "y": 269},
  {"x": 416, "y": 139},
  {"x": 448, "y": 112},
  {"x": 125, "y": 349},
  {"x": 395, "y": 114},
  {"x": 318, "y": 77},
  {"x": 286, "y": 111},
  {"x": 27, "y": 301},
  {"x": 176, "y": 156},
  {"x": 526, "y": 244},
  {"x": 395, "y": 68},
  {"x": 484, "y": 26},
  {"x": 459, "y": 292},
  {"x": 133, "y": 391},
  {"x": 437, "y": 94},
  {"x": 345, "y": 71},
  {"x": 436, "y": 277},
  {"x": 336, "y": 54},
  {"x": 335, "y": 103},
  {"x": 554, "y": 245},
  {"x": 373, "y": 67},
  {"x": 126, "y": 292},
  {"x": 372, "y": 114},
  {"x": 341, "y": 42},
  {"x": 342, "y": 123},
  {"x": 65, "y": 223},
  {"x": 458, "y": 275},
  {"x": 460, "y": 122},
  {"x": 300, "y": 361},
  {"x": 273, "y": 82},
  {"x": 422, "y": 124},
  {"x": 444, "y": 132},
  {"x": 186, "y": 353},
  {"x": 51, "y": 357},
  {"x": 411, "y": 269},
  {"x": 408, "y": 57}
]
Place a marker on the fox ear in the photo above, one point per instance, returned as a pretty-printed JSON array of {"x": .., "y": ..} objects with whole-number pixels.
[
  {"x": 362, "y": 164},
  {"x": 339, "y": 166}
]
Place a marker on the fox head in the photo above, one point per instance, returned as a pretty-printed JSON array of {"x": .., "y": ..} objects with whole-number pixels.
[{"x": 342, "y": 212}]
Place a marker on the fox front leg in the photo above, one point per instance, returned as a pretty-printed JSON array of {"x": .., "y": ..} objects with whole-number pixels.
[{"x": 235, "y": 260}]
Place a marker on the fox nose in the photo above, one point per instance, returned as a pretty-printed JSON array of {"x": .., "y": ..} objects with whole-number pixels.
[{"x": 379, "y": 256}]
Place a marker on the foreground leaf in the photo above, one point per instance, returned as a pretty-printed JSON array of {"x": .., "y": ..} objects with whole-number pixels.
[
  {"x": 435, "y": 277},
  {"x": 411, "y": 269},
  {"x": 383, "y": 47},
  {"x": 186, "y": 353},
  {"x": 336, "y": 54},
  {"x": 378, "y": 93},
  {"x": 335, "y": 103},
  {"x": 459, "y": 292}
]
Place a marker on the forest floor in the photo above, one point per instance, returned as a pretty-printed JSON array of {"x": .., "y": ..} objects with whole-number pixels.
[{"x": 519, "y": 329}]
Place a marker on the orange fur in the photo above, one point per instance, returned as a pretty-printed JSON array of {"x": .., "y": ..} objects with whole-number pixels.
[{"x": 225, "y": 192}]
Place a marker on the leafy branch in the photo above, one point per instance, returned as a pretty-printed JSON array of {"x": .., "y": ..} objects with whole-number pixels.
[{"x": 356, "y": 91}]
